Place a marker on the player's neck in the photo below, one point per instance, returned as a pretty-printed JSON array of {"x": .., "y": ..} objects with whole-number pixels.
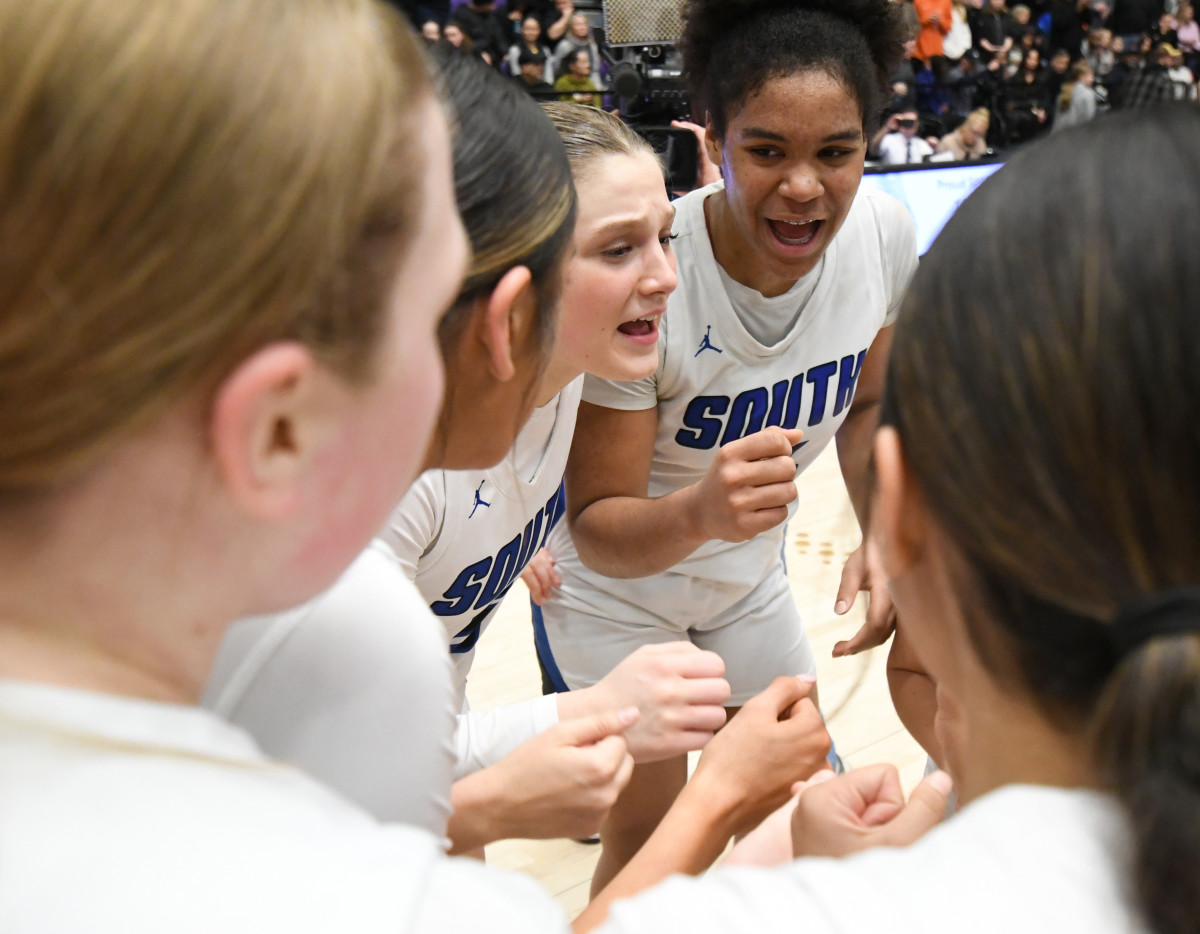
[{"x": 559, "y": 373}]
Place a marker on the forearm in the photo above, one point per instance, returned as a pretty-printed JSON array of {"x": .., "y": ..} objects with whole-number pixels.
[
  {"x": 478, "y": 812},
  {"x": 483, "y": 738},
  {"x": 688, "y": 840},
  {"x": 629, "y": 536},
  {"x": 558, "y": 29}
]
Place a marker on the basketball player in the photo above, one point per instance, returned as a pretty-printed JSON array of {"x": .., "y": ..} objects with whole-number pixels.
[{"x": 775, "y": 344}]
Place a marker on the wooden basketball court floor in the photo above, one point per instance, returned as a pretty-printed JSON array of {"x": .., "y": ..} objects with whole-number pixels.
[{"x": 854, "y": 695}]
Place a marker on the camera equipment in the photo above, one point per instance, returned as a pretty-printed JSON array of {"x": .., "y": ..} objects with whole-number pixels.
[{"x": 639, "y": 43}]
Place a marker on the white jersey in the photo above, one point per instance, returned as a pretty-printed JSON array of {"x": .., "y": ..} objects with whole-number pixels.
[
  {"x": 123, "y": 816},
  {"x": 1031, "y": 859},
  {"x": 716, "y": 383},
  {"x": 355, "y": 688},
  {"x": 465, "y": 536}
]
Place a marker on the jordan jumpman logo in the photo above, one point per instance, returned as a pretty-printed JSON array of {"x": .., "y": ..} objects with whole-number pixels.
[
  {"x": 706, "y": 343},
  {"x": 479, "y": 500}
]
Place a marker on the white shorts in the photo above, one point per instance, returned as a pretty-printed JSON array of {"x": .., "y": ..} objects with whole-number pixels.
[{"x": 759, "y": 635}]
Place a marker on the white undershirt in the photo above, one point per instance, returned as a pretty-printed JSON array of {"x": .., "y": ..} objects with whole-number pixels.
[{"x": 769, "y": 320}]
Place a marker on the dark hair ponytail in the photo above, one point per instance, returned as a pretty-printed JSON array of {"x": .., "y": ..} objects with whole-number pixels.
[
  {"x": 1147, "y": 738},
  {"x": 1045, "y": 382}
]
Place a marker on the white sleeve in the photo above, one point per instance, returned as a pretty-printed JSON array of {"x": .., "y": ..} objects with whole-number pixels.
[
  {"x": 355, "y": 688},
  {"x": 628, "y": 397},
  {"x": 485, "y": 737},
  {"x": 415, "y": 525},
  {"x": 898, "y": 246}
]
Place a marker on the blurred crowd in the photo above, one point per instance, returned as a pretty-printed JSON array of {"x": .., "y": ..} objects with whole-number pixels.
[
  {"x": 980, "y": 75},
  {"x": 983, "y": 75}
]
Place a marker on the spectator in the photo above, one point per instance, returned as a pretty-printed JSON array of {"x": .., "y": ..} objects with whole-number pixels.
[
  {"x": 898, "y": 143},
  {"x": 558, "y": 20},
  {"x": 1164, "y": 31},
  {"x": 1056, "y": 75},
  {"x": 970, "y": 85},
  {"x": 477, "y": 19},
  {"x": 1134, "y": 17},
  {"x": 958, "y": 40},
  {"x": 1099, "y": 52},
  {"x": 1181, "y": 75},
  {"x": 531, "y": 34},
  {"x": 1023, "y": 29},
  {"x": 578, "y": 81},
  {"x": 431, "y": 32},
  {"x": 454, "y": 37},
  {"x": 1028, "y": 103},
  {"x": 1188, "y": 31},
  {"x": 1077, "y": 99},
  {"x": 1129, "y": 63},
  {"x": 993, "y": 31},
  {"x": 1151, "y": 84},
  {"x": 969, "y": 141},
  {"x": 531, "y": 68},
  {"x": 936, "y": 17},
  {"x": 1069, "y": 24},
  {"x": 578, "y": 37}
]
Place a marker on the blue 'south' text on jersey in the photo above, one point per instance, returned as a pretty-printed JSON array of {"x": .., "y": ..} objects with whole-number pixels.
[{"x": 712, "y": 420}]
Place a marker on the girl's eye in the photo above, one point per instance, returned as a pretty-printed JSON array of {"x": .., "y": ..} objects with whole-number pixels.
[
  {"x": 763, "y": 152},
  {"x": 835, "y": 153},
  {"x": 665, "y": 239},
  {"x": 618, "y": 252}
]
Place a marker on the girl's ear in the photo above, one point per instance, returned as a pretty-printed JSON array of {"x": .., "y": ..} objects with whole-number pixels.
[
  {"x": 509, "y": 312},
  {"x": 264, "y": 428},
  {"x": 899, "y": 520},
  {"x": 712, "y": 142}
]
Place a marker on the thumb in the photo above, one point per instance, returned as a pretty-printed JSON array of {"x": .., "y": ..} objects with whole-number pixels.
[
  {"x": 925, "y": 810},
  {"x": 794, "y": 436},
  {"x": 784, "y": 693},
  {"x": 586, "y": 731}
]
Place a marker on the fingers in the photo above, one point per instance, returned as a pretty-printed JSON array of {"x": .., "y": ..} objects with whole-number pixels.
[
  {"x": 925, "y": 810},
  {"x": 592, "y": 729},
  {"x": 783, "y": 694},
  {"x": 770, "y": 442},
  {"x": 854, "y": 575},
  {"x": 687, "y": 661},
  {"x": 871, "y": 634}
]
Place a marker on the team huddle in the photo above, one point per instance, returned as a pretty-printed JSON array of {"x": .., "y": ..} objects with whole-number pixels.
[{"x": 313, "y": 344}]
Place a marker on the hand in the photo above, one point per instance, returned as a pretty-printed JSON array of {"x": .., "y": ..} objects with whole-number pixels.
[
  {"x": 707, "y": 171},
  {"x": 776, "y": 740},
  {"x": 748, "y": 486},
  {"x": 679, "y": 691},
  {"x": 935, "y": 19},
  {"x": 893, "y": 123},
  {"x": 540, "y": 577},
  {"x": 562, "y": 782},
  {"x": 865, "y": 808},
  {"x": 864, "y": 571},
  {"x": 486, "y": 56},
  {"x": 770, "y": 843}
]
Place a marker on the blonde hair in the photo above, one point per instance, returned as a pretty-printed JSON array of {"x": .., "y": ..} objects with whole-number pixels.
[
  {"x": 1078, "y": 70},
  {"x": 981, "y": 115},
  {"x": 180, "y": 183},
  {"x": 589, "y": 133}
]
